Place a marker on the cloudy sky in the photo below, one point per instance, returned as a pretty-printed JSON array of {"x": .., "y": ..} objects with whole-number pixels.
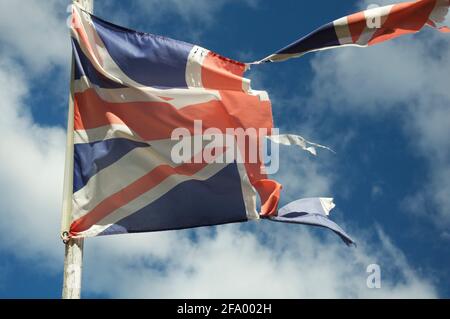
[{"x": 385, "y": 110}]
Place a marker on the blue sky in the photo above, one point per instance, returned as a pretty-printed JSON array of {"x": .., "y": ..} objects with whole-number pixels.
[{"x": 385, "y": 110}]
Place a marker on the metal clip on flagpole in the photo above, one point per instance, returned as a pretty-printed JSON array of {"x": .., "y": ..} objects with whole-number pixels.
[{"x": 73, "y": 257}]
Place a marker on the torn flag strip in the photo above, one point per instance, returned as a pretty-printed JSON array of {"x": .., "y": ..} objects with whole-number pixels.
[{"x": 369, "y": 27}]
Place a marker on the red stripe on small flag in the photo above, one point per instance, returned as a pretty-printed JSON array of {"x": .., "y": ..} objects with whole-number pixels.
[
  {"x": 404, "y": 18},
  {"x": 356, "y": 24}
]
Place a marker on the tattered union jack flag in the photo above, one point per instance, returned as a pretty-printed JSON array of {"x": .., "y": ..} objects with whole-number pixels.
[
  {"x": 136, "y": 94},
  {"x": 130, "y": 91}
]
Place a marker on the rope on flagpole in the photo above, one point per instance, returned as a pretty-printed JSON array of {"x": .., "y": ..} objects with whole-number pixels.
[{"x": 73, "y": 257}]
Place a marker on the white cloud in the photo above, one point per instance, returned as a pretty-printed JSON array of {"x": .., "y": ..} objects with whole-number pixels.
[
  {"x": 32, "y": 159},
  {"x": 35, "y": 33},
  {"x": 284, "y": 261}
]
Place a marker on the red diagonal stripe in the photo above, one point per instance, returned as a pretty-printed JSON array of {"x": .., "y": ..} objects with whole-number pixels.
[{"x": 404, "y": 18}]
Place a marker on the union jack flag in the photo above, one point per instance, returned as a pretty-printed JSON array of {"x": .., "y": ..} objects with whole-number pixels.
[{"x": 130, "y": 91}]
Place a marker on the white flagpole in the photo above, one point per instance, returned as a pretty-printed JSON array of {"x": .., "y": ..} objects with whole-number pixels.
[{"x": 73, "y": 257}]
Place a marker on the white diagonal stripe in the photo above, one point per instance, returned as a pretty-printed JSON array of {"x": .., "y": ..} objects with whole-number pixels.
[
  {"x": 178, "y": 98},
  {"x": 104, "y": 133}
]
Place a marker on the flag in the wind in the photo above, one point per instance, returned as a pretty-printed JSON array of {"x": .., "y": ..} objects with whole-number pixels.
[
  {"x": 370, "y": 27},
  {"x": 131, "y": 90}
]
